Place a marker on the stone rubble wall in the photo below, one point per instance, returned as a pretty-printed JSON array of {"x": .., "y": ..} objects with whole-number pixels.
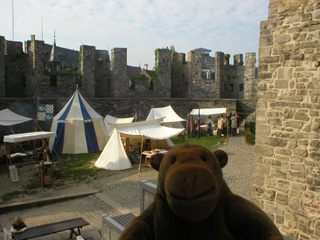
[{"x": 287, "y": 166}]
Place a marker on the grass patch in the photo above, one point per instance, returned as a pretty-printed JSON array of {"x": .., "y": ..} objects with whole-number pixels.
[
  {"x": 210, "y": 142},
  {"x": 77, "y": 167}
]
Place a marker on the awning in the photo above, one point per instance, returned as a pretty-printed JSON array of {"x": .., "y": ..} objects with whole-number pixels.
[
  {"x": 148, "y": 129},
  {"x": 9, "y": 118}
]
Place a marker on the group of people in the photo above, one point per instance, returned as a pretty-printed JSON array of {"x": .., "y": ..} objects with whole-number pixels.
[{"x": 228, "y": 125}]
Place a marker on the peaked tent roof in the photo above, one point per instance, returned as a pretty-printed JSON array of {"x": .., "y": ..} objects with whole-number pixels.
[
  {"x": 150, "y": 129},
  {"x": 77, "y": 108},
  {"x": 167, "y": 113},
  {"x": 113, "y": 156},
  {"x": 9, "y": 118}
]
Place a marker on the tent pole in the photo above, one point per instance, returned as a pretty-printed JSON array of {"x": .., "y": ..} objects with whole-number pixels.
[{"x": 141, "y": 146}]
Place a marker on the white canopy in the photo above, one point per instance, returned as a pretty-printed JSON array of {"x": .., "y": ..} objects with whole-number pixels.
[
  {"x": 9, "y": 118},
  {"x": 21, "y": 137},
  {"x": 113, "y": 156},
  {"x": 167, "y": 113},
  {"x": 148, "y": 129},
  {"x": 113, "y": 120},
  {"x": 208, "y": 111}
]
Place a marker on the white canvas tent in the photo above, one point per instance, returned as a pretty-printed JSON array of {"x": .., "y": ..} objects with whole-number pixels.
[
  {"x": 146, "y": 129},
  {"x": 112, "y": 120},
  {"x": 170, "y": 117},
  {"x": 79, "y": 128},
  {"x": 113, "y": 156},
  {"x": 9, "y": 118}
]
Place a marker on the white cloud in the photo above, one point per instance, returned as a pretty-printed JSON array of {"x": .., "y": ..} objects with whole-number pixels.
[{"x": 141, "y": 25}]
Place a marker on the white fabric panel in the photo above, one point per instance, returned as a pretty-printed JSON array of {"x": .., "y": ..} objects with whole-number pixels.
[
  {"x": 167, "y": 113},
  {"x": 101, "y": 133},
  {"x": 21, "y": 137},
  {"x": 9, "y": 118},
  {"x": 75, "y": 112},
  {"x": 113, "y": 156},
  {"x": 208, "y": 111},
  {"x": 152, "y": 131},
  {"x": 111, "y": 119},
  {"x": 74, "y": 138},
  {"x": 53, "y": 129}
]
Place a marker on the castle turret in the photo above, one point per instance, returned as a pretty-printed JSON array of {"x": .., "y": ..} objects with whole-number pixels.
[
  {"x": 219, "y": 74},
  {"x": 87, "y": 68},
  {"x": 119, "y": 69},
  {"x": 162, "y": 85},
  {"x": 251, "y": 81},
  {"x": 35, "y": 55},
  {"x": 54, "y": 58}
]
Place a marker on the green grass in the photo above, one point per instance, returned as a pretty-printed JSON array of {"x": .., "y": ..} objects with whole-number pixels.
[
  {"x": 77, "y": 167},
  {"x": 210, "y": 142}
]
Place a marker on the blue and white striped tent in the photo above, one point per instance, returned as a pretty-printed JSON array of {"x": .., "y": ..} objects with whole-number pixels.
[{"x": 79, "y": 128}]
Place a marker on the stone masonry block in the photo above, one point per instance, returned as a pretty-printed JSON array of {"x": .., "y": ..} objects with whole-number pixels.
[
  {"x": 285, "y": 73},
  {"x": 281, "y": 84},
  {"x": 288, "y": 4},
  {"x": 266, "y": 40},
  {"x": 283, "y": 39},
  {"x": 265, "y": 150}
]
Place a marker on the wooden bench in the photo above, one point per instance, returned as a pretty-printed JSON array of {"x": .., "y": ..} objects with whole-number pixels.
[
  {"x": 112, "y": 227},
  {"x": 46, "y": 229}
]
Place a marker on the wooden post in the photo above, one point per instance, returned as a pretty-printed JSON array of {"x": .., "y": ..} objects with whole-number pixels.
[
  {"x": 127, "y": 146},
  {"x": 141, "y": 147}
]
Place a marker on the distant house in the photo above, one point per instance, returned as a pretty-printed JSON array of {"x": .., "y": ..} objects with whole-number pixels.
[{"x": 147, "y": 73}]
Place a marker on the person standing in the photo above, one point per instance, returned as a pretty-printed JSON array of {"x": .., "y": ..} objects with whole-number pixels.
[
  {"x": 233, "y": 125},
  {"x": 209, "y": 126},
  {"x": 220, "y": 126}
]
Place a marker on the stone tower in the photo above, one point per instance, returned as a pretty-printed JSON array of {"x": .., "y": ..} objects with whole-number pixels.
[
  {"x": 120, "y": 83},
  {"x": 286, "y": 183},
  {"x": 87, "y": 69},
  {"x": 37, "y": 79},
  {"x": 162, "y": 85},
  {"x": 250, "y": 85},
  {"x": 219, "y": 74}
]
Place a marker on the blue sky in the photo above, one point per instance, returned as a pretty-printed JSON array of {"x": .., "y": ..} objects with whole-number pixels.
[{"x": 141, "y": 26}]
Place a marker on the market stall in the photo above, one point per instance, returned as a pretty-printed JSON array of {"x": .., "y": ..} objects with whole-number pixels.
[{"x": 45, "y": 166}]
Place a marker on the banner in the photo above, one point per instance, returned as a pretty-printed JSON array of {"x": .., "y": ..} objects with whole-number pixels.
[{"x": 45, "y": 112}]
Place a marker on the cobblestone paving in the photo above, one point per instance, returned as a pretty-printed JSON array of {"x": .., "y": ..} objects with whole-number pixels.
[{"x": 123, "y": 188}]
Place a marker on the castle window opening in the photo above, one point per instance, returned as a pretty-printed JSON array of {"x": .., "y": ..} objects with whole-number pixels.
[
  {"x": 231, "y": 87},
  {"x": 225, "y": 87},
  {"x": 241, "y": 87},
  {"x": 213, "y": 76}
]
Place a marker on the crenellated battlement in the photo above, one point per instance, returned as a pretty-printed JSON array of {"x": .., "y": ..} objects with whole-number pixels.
[{"x": 46, "y": 70}]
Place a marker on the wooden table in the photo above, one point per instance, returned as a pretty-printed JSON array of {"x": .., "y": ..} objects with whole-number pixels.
[
  {"x": 46, "y": 229},
  {"x": 147, "y": 155}
]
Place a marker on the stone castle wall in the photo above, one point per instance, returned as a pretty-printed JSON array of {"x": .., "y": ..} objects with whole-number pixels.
[
  {"x": 30, "y": 74},
  {"x": 287, "y": 166}
]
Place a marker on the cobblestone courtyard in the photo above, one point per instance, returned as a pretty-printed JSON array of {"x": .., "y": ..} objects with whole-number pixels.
[{"x": 120, "y": 192}]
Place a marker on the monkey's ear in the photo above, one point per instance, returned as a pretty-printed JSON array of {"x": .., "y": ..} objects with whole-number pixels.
[
  {"x": 156, "y": 161},
  {"x": 222, "y": 157}
]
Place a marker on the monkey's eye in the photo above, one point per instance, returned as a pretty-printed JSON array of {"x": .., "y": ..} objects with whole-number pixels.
[
  {"x": 173, "y": 160},
  {"x": 203, "y": 158}
]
